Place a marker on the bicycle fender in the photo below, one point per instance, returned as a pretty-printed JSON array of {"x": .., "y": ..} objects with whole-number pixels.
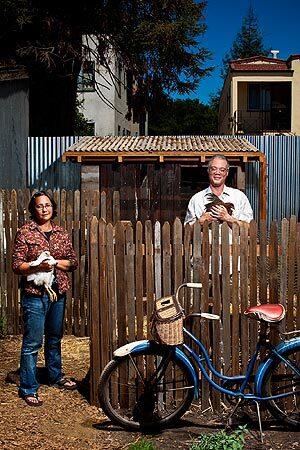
[
  {"x": 137, "y": 346},
  {"x": 265, "y": 365}
]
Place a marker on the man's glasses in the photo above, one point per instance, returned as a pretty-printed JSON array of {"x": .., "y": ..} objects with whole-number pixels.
[
  {"x": 222, "y": 170},
  {"x": 46, "y": 206}
]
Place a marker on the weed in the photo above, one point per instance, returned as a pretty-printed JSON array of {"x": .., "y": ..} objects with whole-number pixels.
[
  {"x": 143, "y": 444},
  {"x": 221, "y": 440}
]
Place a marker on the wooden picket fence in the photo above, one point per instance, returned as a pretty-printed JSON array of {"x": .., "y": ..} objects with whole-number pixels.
[
  {"x": 75, "y": 208},
  {"x": 124, "y": 267},
  {"x": 131, "y": 265}
]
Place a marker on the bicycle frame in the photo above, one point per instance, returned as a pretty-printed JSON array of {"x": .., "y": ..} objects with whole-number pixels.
[{"x": 241, "y": 379}]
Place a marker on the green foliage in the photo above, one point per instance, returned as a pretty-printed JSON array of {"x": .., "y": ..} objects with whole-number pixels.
[
  {"x": 82, "y": 126},
  {"x": 143, "y": 444},
  {"x": 248, "y": 41},
  {"x": 221, "y": 440},
  {"x": 158, "y": 42},
  {"x": 183, "y": 117}
]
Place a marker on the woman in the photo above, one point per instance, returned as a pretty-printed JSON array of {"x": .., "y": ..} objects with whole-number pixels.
[{"x": 41, "y": 316}]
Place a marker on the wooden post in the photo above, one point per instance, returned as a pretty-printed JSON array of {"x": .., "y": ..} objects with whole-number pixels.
[{"x": 262, "y": 187}]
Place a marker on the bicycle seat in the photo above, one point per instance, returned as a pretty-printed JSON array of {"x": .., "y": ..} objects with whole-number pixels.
[{"x": 268, "y": 313}]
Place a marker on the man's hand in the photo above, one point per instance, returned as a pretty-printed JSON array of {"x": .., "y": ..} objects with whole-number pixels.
[
  {"x": 220, "y": 212},
  {"x": 207, "y": 217}
]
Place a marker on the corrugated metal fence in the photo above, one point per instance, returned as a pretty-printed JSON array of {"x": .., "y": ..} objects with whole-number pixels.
[
  {"x": 283, "y": 171},
  {"x": 45, "y": 170}
]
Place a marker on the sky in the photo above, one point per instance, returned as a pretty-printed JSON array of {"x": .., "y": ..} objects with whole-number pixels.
[{"x": 279, "y": 23}]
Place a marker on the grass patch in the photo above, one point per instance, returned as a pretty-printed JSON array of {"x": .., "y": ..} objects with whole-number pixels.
[
  {"x": 143, "y": 444},
  {"x": 221, "y": 440}
]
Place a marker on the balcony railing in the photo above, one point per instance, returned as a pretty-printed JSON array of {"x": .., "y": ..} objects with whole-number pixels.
[{"x": 276, "y": 119}]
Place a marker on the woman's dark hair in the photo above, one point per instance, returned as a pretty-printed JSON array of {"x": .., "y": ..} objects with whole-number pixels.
[{"x": 31, "y": 205}]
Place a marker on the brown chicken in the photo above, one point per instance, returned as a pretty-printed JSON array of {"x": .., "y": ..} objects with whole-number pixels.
[{"x": 214, "y": 200}]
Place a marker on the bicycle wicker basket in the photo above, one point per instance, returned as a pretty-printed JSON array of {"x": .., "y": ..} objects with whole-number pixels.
[{"x": 167, "y": 321}]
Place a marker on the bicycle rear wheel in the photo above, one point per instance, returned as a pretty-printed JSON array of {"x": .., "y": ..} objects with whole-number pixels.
[
  {"x": 146, "y": 389},
  {"x": 281, "y": 378}
]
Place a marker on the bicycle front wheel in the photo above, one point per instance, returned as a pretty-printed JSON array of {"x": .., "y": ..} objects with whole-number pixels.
[
  {"x": 282, "y": 378},
  {"x": 151, "y": 388}
]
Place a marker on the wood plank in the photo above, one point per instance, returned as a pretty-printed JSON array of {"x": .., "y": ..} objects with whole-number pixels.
[
  {"x": 15, "y": 281},
  {"x": 177, "y": 255},
  {"x": 103, "y": 305},
  {"x": 9, "y": 243},
  {"x": 166, "y": 248},
  {"x": 235, "y": 334},
  {"x": 103, "y": 205},
  {"x": 263, "y": 278},
  {"x": 95, "y": 207},
  {"x": 63, "y": 208},
  {"x": 111, "y": 287},
  {"x": 149, "y": 271},
  {"x": 284, "y": 267},
  {"x": 216, "y": 309},
  {"x": 226, "y": 297},
  {"x": 253, "y": 329},
  {"x": 139, "y": 281},
  {"x": 157, "y": 260},
  {"x": 116, "y": 207},
  {"x": 69, "y": 228},
  {"x": 291, "y": 273},
  {"x": 76, "y": 276},
  {"x": 130, "y": 281},
  {"x": 95, "y": 355},
  {"x": 244, "y": 295},
  {"x": 187, "y": 266},
  {"x": 120, "y": 283},
  {"x": 197, "y": 267},
  {"x": 2, "y": 264},
  {"x": 273, "y": 252}
]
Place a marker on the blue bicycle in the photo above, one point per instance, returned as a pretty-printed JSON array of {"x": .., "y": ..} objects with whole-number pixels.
[{"x": 149, "y": 385}]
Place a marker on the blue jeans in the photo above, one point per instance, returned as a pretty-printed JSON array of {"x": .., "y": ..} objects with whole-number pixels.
[{"x": 41, "y": 316}]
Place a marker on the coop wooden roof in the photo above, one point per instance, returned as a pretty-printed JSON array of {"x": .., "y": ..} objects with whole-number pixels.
[{"x": 120, "y": 148}]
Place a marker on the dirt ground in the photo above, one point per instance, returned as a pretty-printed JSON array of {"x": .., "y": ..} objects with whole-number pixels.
[{"x": 67, "y": 421}]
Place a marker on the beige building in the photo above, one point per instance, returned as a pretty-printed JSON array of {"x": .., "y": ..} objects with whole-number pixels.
[
  {"x": 261, "y": 96},
  {"x": 105, "y": 92}
]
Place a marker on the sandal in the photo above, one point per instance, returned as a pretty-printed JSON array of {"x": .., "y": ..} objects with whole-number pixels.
[
  {"x": 66, "y": 383},
  {"x": 33, "y": 400}
]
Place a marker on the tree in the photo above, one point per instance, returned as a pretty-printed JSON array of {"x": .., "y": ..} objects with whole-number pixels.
[
  {"x": 157, "y": 41},
  {"x": 183, "y": 117},
  {"x": 248, "y": 42}
]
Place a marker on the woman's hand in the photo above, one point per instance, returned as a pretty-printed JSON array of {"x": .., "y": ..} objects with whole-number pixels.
[{"x": 45, "y": 266}]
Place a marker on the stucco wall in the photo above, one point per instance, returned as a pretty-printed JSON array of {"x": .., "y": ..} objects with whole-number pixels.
[
  {"x": 296, "y": 97},
  {"x": 107, "y": 105}
]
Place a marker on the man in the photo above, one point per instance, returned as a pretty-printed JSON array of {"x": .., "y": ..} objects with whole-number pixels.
[{"x": 218, "y": 168}]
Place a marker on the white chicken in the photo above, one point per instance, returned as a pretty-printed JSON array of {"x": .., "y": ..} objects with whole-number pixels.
[{"x": 44, "y": 278}]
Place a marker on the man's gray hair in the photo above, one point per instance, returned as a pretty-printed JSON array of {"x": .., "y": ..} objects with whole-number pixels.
[{"x": 217, "y": 157}]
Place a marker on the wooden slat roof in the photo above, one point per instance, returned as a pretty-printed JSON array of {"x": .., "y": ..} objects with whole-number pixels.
[{"x": 162, "y": 147}]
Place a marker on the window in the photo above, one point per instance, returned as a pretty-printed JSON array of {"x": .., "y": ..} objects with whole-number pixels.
[
  {"x": 86, "y": 77},
  {"x": 259, "y": 96}
]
